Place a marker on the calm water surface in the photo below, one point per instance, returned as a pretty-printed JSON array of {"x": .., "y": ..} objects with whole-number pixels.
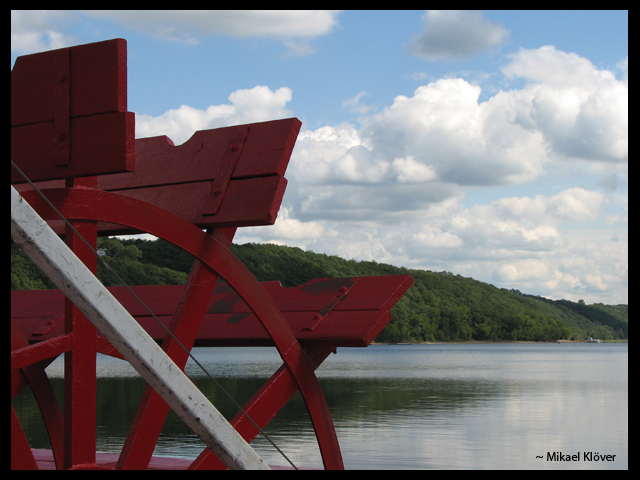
[{"x": 469, "y": 406}]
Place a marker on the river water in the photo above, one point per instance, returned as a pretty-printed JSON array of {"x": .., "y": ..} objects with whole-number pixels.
[{"x": 447, "y": 406}]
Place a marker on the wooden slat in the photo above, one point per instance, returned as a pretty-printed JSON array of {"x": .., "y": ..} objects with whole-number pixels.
[
  {"x": 262, "y": 149},
  {"x": 355, "y": 320},
  {"x": 203, "y": 181},
  {"x": 98, "y": 75},
  {"x": 249, "y": 202},
  {"x": 69, "y": 113},
  {"x": 371, "y": 293},
  {"x": 99, "y": 144},
  {"x": 338, "y": 329}
]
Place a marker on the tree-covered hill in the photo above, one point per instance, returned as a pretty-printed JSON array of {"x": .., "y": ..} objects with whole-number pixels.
[{"x": 440, "y": 306}]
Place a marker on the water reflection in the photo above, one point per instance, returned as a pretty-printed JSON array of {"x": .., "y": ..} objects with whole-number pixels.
[{"x": 423, "y": 406}]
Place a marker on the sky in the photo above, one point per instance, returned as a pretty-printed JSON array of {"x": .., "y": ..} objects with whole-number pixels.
[{"x": 489, "y": 144}]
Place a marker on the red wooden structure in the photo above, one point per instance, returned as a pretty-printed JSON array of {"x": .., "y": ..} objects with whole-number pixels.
[{"x": 71, "y": 133}]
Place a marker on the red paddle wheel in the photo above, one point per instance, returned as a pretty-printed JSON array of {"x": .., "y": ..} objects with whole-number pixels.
[{"x": 72, "y": 135}]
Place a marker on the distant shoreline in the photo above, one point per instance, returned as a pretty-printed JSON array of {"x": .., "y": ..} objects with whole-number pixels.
[{"x": 491, "y": 341}]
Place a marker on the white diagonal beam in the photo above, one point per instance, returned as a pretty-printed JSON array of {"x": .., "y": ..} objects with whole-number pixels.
[{"x": 77, "y": 282}]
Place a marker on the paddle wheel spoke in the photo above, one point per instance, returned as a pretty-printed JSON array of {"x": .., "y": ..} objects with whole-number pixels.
[
  {"x": 152, "y": 411},
  {"x": 35, "y": 376}
]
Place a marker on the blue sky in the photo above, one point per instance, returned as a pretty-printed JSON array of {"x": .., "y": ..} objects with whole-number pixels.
[{"x": 490, "y": 144}]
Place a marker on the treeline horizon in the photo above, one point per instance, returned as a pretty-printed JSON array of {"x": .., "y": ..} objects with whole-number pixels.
[{"x": 440, "y": 306}]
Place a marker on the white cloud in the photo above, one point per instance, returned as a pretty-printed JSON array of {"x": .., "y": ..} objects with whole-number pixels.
[
  {"x": 247, "y": 105},
  {"x": 414, "y": 154},
  {"x": 581, "y": 111},
  {"x": 570, "y": 205},
  {"x": 408, "y": 170},
  {"x": 576, "y": 205},
  {"x": 591, "y": 270},
  {"x": 407, "y": 165},
  {"x": 516, "y": 242},
  {"x": 354, "y": 105},
  {"x": 622, "y": 67},
  {"x": 286, "y": 228},
  {"x": 554, "y": 68},
  {"x": 318, "y": 153},
  {"x": 433, "y": 237},
  {"x": 39, "y": 30},
  {"x": 444, "y": 126},
  {"x": 456, "y": 34},
  {"x": 297, "y": 48},
  {"x": 523, "y": 223},
  {"x": 522, "y": 271},
  {"x": 187, "y": 26}
]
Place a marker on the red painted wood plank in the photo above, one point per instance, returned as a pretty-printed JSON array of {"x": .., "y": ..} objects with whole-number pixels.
[
  {"x": 260, "y": 149},
  {"x": 353, "y": 321},
  {"x": 98, "y": 75},
  {"x": 337, "y": 329},
  {"x": 204, "y": 181},
  {"x": 68, "y": 112},
  {"x": 369, "y": 293},
  {"x": 99, "y": 144},
  {"x": 265, "y": 152},
  {"x": 201, "y": 158},
  {"x": 261, "y": 154},
  {"x": 248, "y": 202}
]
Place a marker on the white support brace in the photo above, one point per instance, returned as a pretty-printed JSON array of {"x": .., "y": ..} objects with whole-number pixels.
[{"x": 77, "y": 282}]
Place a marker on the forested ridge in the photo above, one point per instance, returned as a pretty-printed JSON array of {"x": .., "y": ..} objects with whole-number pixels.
[{"x": 440, "y": 306}]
